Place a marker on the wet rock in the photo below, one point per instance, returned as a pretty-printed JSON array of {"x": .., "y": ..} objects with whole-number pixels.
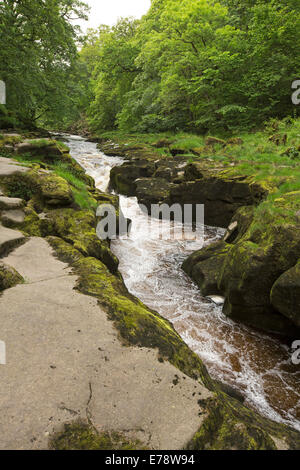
[
  {"x": 122, "y": 178},
  {"x": 249, "y": 272},
  {"x": 152, "y": 190},
  {"x": 170, "y": 169},
  {"x": 232, "y": 392},
  {"x": 285, "y": 294},
  {"x": 221, "y": 196},
  {"x": 204, "y": 267}
]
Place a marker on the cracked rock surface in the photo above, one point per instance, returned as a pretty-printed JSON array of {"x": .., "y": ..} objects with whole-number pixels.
[{"x": 65, "y": 361}]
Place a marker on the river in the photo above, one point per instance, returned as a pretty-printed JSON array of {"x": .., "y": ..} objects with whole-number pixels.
[{"x": 256, "y": 364}]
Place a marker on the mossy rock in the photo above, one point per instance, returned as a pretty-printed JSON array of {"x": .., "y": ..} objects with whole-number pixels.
[
  {"x": 152, "y": 191},
  {"x": 285, "y": 294},
  {"x": 55, "y": 191},
  {"x": 170, "y": 170},
  {"x": 221, "y": 196},
  {"x": 47, "y": 149},
  {"x": 52, "y": 189},
  {"x": 9, "y": 277},
  {"x": 137, "y": 324},
  {"x": 79, "y": 229},
  {"x": 122, "y": 178},
  {"x": 81, "y": 436},
  {"x": 228, "y": 424},
  {"x": 204, "y": 266},
  {"x": 231, "y": 426}
]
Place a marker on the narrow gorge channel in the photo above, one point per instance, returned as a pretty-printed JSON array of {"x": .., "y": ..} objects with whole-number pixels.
[{"x": 255, "y": 364}]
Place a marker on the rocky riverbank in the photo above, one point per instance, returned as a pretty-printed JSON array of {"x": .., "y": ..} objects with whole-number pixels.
[
  {"x": 96, "y": 358},
  {"x": 255, "y": 267}
]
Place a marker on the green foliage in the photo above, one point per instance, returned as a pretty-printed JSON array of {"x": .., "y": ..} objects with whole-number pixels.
[
  {"x": 195, "y": 65},
  {"x": 38, "y": 60}
]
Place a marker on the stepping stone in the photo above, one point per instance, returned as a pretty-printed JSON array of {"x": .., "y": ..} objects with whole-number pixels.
[
  {"x": 9, "y": 167},
  {"x": 13, "y": 217},
  {"x": 9, "y": 203},
  {"x": 9, "y": 239}
]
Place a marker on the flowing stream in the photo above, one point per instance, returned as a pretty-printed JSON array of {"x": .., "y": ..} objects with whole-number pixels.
[{"x": 256, "y": 364}]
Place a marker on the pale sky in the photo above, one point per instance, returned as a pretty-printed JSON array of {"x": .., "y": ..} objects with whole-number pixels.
[{"x": 108, "y": 11}]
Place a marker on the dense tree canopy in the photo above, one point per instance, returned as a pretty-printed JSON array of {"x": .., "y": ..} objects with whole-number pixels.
[
  {"x": 196, "y": 65},
  {"x": 38, "y": 56},
  {"x": 192, "y": 65}
]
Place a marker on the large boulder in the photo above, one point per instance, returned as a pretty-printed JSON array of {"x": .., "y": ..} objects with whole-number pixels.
[
  {"x": 54, "y": 190},
  {"x": 79, "y": 229},
  {"x": 257, "y": 273},
  {"x": 152, "y": 191},
  {"x": 204, "y": 267},
  {"x": 47, "y": 149},
  {"x": 221, "y": 196},
  {"x": 122, "y": 178},
  {"x": 285, "y": 294}
]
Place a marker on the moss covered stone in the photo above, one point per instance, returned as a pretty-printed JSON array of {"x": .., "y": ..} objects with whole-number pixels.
[
  {"x": 285, "y": 294},
  {"x": 228, "y": 423},
  {"x": 266, "y": 245},
  {"x": 81, "y": 436},
  {"x": 9, "y": 277},
  {"x": 231, "y": 426},
  {"x": 204, "y": 266},
  {"x": 79, "y": 229}
]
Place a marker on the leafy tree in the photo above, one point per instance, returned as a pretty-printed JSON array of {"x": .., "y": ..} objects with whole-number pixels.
[{"x": 37, "y": 56}]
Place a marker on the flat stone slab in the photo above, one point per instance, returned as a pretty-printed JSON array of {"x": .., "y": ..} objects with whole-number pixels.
[
  {"x": 9, "y": 167},
  {"x": 64, "y": 362},
  {"x": 10, "y": 203},
  {"x": 13, "y": 217},
  {"x": 216, "y": 299},
  {"x": 9, "y": 238}
]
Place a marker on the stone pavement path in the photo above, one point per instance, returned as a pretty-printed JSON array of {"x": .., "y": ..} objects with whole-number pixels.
[{"x": 64, "y": 361}]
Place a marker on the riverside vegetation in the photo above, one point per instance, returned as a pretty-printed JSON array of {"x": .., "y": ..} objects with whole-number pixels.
[
  {"x": 52, "y": 211},
  {"x": 197, "y": 97}
]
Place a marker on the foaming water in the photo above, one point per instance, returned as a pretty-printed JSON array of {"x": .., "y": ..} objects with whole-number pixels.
[{"x": 256, "y": 364}]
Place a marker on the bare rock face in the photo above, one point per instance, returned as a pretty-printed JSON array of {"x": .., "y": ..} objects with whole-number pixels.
[
  {"x": 285, "y": 294},
  {"x": 10, "y": 203}
]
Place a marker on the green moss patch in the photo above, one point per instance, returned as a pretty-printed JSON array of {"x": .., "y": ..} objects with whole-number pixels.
[{"x": 81, "y": 436}]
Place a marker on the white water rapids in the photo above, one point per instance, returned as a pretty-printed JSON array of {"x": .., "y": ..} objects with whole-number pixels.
[{"x": 256, "y": 364}]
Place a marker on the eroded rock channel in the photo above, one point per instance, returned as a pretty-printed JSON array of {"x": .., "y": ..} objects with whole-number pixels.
[{"x": 256, "y": 364}]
